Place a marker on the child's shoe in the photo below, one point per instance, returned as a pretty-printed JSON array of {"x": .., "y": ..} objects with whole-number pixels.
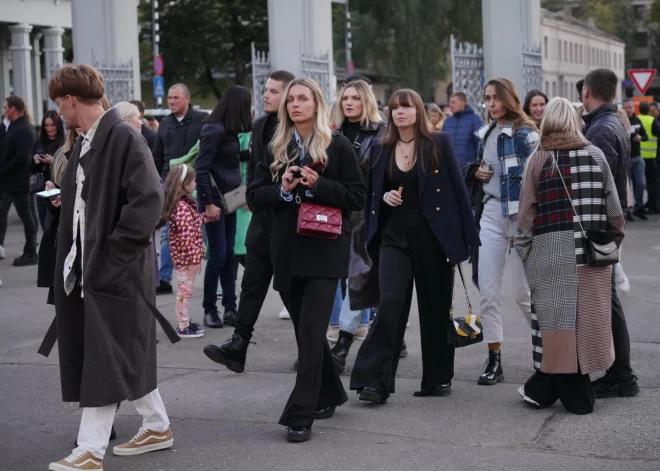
[{"x": 191, "y": 332}]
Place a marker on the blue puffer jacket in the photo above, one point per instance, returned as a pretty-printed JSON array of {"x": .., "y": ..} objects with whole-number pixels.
[{"x": 461, "y": 126}]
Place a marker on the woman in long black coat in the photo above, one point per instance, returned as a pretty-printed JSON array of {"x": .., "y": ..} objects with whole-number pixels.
[{"x": 306, "y": 268}]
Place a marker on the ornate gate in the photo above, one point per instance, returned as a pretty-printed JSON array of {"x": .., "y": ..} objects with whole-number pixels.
[
  {"x": 260, "y": 72},
  {"x": 118, "y": 79},
  {"x": 318, "y": 68},
  {"x": 467, "y": 72},
  {"x": 532, "y": 68}
]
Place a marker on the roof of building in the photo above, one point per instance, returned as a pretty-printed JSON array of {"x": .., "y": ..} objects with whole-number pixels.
[{"x": 565, "y": 17}]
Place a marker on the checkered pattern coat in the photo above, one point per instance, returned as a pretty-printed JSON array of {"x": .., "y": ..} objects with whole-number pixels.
[
  {"x": 571, "y": 300},
  {"x": 514, "y": 146}
]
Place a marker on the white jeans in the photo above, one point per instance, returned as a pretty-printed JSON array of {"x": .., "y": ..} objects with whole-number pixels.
[
  {"x": 96, "y": 422},
  {"x": 496, "y": 233}
]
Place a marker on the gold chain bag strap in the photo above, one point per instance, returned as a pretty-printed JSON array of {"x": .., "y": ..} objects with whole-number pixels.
[{"x": 463, "y": 331}]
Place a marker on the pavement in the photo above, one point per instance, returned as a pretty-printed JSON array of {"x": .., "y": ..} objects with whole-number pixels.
[{"x": 224, "y": 421}]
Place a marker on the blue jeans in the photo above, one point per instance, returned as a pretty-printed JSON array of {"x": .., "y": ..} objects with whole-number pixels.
[
  {"x": 350, "y": 320},
  {"x": 221, "y": 237},
  {"x": 336, "y": 307},
  {"x": 637, "y": 176},
  {"x": 166, "y": 265}
]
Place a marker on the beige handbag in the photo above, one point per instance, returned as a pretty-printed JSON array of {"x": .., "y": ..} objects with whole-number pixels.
[{"x": 233, "y": 200}]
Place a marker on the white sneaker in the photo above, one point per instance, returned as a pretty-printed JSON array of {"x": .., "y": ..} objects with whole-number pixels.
[
  {"x": 527, "y": 399},
  {"x": 81, "y": 460},
  {"x": 622, "y": 283},
  {"x": 2, "y": 252},
  {"x": 0, "y": 282},
  {"x": 284, "y": 314},
  {"x": 361, "y": 333}
]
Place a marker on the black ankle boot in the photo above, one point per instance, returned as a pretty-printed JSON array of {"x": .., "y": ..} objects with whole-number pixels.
[
  {"x": 341, "y": 349},
  {"x": 494, "y": 373},
  {"x": 232, "y": 353}
]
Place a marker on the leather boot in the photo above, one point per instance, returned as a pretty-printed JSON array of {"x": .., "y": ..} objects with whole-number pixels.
[
  {"x": 341, "y": 349},
  {"x": 232, "y": 353},
  {"x": 493, "y": 373}
]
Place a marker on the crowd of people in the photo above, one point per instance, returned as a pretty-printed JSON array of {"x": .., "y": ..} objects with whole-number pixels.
[{"x": 344, "y": 209}]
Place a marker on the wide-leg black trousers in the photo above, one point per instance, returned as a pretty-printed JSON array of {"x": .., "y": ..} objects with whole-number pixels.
[{"x": 573, "y": 390}]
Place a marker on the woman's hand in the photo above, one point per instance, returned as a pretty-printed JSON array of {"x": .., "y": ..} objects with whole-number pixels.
[
  {"x": 37, "y": 159},
  {"x": 309, "y": 177},
  {"x": 289, "y": 182},
  {"x": 393, "y": 198},
  {"x": 56, "y": 200},
  {"x": 212, "y": 213},
  {"x": 47, "y": 159},
  {"x": 483, "y": 174}
]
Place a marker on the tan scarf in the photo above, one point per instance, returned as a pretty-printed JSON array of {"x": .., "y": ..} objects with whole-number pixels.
[{"x": 562, "y": 141}]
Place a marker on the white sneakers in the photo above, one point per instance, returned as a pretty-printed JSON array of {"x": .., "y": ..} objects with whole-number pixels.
[
  {"x": 284, "y": 314},
  {"x": 621, "y": 280},
  {"x": 2, "y": 252}
]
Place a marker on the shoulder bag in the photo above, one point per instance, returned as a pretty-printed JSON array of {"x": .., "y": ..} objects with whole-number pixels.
[
  {"x": 599, "y": 249},
  {"x": 316, "y": 220},
  {"x": 233, "y": 200},
  {"x": 464, "y": 331}
]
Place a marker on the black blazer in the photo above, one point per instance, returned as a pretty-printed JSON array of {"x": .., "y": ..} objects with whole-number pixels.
[
  {"x": 341, "y": 185},
  {"x": 15, "y": 156},
  {"x": 444, "y": 200},
  {"x": 218, "y": 158}
]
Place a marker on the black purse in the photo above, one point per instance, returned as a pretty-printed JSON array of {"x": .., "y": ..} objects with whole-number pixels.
[
  {"x": 464, "y": 331},
  {"x": 37, "y": 182}
]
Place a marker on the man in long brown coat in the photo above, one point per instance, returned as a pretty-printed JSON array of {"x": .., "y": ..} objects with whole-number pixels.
[{"x": 104, "y": 274}]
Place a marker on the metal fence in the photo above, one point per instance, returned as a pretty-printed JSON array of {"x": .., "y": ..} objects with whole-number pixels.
[
  {"x": 467, "y": 71},
  {"x": 117, "y": 78},
  {"x": 532, "y": 68},
  {"x": 318, "y": 68},
  {"x": 260, "y": 72}
]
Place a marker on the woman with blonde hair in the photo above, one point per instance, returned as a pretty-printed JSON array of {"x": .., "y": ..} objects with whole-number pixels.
[
  {"x": 130, "y": 113},
  {"x": 357, "y": 118},
  {"x": 567, "y": 193},
  {"x": 506, "y": 143},
  {"x": 314, "y": 170},
  {"x": 435, "y": 117}
]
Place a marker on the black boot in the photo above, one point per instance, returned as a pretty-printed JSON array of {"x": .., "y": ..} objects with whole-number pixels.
[
  {"x": 493, "y": 373},
  {"x": 212, "y": 320},
  {"x": 231, "y": 353},
  {"x": 230, "y": 317},
  {"x": 341, "y": 349},
  {"x": 26, "y": 259},
  {"x": 404, "y": 350}
]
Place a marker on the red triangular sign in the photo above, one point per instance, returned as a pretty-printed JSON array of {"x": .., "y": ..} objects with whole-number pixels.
[{"x": 642, "y": 78}]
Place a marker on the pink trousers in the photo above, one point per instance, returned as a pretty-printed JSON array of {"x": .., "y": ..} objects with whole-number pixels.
[{"x": 186, "y": 277}]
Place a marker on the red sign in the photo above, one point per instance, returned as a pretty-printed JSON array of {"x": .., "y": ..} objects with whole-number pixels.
[
  {"x": 159, "y": 65},
  {"x": 642, "y": 78}
]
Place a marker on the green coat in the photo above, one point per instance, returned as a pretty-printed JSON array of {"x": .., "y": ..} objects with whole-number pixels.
[{"x": 242, "y": 216}]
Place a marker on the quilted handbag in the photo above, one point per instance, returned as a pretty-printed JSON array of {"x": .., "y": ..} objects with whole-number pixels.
[
  {"x": 464, "y": 331},
  {"x": 315, "y": 220}
]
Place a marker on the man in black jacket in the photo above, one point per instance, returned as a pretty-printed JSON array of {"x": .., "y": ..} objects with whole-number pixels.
[
  {"x": 636, "y": 165},
  {"x": 15, "y": 155},
  {"x": 177, "y": 133},
  {"x": 605, "y": 130},
  {"x": 258, "y": 266}
]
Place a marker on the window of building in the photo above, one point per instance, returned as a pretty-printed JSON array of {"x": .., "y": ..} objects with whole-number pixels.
[
  {"x": 565, "y": 50},
  {"x": 609, "y": 59},
  {"x": 570, "y": 52},
  {"x": 545, "y": 47},
  {"x": 559, "y": 50},
  {"x": 575, "y": 52},
  {"x": 581, "y": 62},
  {"x": 621, "y": 64}
]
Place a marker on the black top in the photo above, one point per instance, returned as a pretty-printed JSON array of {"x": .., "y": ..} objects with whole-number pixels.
[
  {"x": 351, "y": 130},
  {"x": 410, "y": 193},
  {"x": 218, "y": 158},
  {"x": 270, "y": 128},
  {"x": 15, "y": 156}
]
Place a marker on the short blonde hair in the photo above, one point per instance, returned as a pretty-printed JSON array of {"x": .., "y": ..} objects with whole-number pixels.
[
  {"x": 560, "y": 117},
  {"x": 369, "y": 104},
  {"x": 127, "y": 110}
]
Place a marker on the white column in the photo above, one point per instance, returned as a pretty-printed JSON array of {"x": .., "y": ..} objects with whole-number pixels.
[
  {"x": 21, "y": 61},
  {"x": 38, "y": 107},
  {"x": 5, "y": 83},
  {"x": 53, "y": 54},
  {"x": 285, "y": 35}
]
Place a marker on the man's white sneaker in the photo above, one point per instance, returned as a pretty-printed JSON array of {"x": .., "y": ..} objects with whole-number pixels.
[
  {"x": 284, "y": 314},
  {"x": 146, "y": 440},
  {"x": 2, "y": 252},
  {"x": 81, "y": 460},
  {"x": 622, "y": 283}
]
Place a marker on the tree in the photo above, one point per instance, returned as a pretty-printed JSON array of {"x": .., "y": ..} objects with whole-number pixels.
[{"x": 203, "y": 38}]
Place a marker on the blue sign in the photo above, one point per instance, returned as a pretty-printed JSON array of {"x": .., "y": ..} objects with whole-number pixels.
[
  {"x": 627, "y": 83},
  {"x": 159, "y": 87}
]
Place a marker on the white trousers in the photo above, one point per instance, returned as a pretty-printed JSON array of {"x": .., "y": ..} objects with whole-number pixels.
[
  {"x": 496, "y": 233},
  {"x": 96, "y": 422}
]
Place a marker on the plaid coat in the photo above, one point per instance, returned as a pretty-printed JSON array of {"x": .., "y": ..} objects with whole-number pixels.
[
  {"x": 571, "y": 319},
  {"x": 514, "y": 146}
]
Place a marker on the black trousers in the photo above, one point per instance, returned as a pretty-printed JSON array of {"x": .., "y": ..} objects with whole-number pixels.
[
  {"x": 23, "y": 208},
  {"x": 651, "y": 173},
  {"x": 573, "y": 390},
  {"x": 413, "y": 254},
  {"x": 620, "y": 369},
  {"x": 317, "y": 382},
  {"x": 257, "y": 276}
]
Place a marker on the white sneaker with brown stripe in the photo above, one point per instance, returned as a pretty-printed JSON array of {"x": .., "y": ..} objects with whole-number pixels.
[
  {"x": 81, "y": 460},
  {"x": 146, "y": 440}
]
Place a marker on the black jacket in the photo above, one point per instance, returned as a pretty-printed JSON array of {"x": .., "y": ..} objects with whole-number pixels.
[
  {"x": 635, "y": 147},
  {"x": 175, "y": 139},
  {"x": 15, "y": 156},
  {"x": 603, "y": 129},
  {"x": 340, "y": 185},
  {"x": 150, "y": 135},
  {"x": 218, "y": 159},
  {"x": 257, "y": 238}
]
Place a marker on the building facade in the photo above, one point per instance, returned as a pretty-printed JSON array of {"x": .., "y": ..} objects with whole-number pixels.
[{"x": 571, "y": 48}]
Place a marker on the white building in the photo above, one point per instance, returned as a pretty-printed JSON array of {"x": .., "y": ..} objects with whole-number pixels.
[{"x": 571, "y": 48}]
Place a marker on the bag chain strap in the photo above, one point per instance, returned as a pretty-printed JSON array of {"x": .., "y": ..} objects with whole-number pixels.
[{"x": 467, "y": 297}]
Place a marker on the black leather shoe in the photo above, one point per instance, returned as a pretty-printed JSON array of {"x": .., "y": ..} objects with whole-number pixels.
[
  {"x": 232, "y": 353},
  {"x": 493, "y": 373},
  {"x": 324, "y": 413},
  {"x": 230, "y": 317},
  {"x": 404, "y": 350},
  {"x": 372, "y": 395},
  {"x": 341, "y": 349},
  {"x": 164, "y": 288},
  {"x": 607, "y": 387},
  {"x": 442, "y": 389},
  {"x": 26, "y": 259},
  {"x": 212, "y": 320},
  {"x": 298, "y": 434},
  {"x": 640, "y": 214}
]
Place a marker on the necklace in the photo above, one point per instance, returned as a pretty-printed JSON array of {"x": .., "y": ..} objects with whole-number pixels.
[{"x": 408, "y": 141}]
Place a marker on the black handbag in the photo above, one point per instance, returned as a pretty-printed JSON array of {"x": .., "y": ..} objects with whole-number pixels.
[
  {"x": 37, "y": 182},
  {"x": 599, "y": 248},
  {"x": 464, "y": 331}
]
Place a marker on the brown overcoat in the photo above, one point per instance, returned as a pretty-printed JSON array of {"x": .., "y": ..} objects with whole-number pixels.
[{"x": 107, "y": 340}]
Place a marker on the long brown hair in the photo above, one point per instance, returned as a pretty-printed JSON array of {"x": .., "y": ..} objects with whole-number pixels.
[
  {"x": 174, "y": 188},
  {"x": 423, "y": 135},
  {"x": 506, "y": 92}
]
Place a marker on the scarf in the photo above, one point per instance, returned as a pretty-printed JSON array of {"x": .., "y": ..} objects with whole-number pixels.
[{"x": 562, "y": 141}]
